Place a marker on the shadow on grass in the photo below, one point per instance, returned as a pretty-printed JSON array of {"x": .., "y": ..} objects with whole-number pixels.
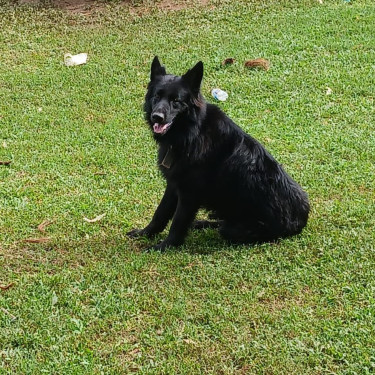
[
  {"x": 116, "y": 247},
  {"x": 201, "y": 242}
]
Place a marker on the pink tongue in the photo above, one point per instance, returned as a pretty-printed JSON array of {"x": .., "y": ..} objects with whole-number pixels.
[{"x": 158, "y": 128}]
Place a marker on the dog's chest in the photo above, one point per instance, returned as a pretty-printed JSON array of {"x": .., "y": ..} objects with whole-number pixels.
[{"x": 172, "y": 164}]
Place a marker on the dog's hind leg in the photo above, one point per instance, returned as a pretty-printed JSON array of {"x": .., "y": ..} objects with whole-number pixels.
[
  {"x": 242, "y": 233},
  {"x": 161, "y": 217}
]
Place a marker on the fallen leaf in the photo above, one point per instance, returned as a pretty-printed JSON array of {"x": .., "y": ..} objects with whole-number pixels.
[
  {"x": 193, "y": 264},
  {"x": 261, "y": 293},
  {"x": 190, "y": 265},
  {"x": 228, "y": 61},
  {"x": 6, "y": 287},
  {"x": 100, "y": 217},
  {"x": 189, "y": 341},
  {"x": 42, "y": 226},
  {"x": 37, "y": 240},
  {"x": 258, "y": 63},
  {"x": 134, "y": 351},
  {"x": 244, "y": 370},
  {"x": 133, "y": 368},
  {"x": 6, "y": 162},
  {"x": 152, "y": 272},
  {"x": 5, "y": 311}
]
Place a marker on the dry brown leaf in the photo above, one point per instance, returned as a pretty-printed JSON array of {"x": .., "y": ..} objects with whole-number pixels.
[
  {"x": 152, "y": 272},
  {"x": 6, "y": 287},
  {"x": 37, "y": 240},
  {"x": 100, "y": 217},
  {"x": 258, "y": 63},
  {"x": 5, "y": 311},
  {"x": 134, "y": 351},
  {"x": 228, "y": 61},
  {"x": 193, "y": 264},
  {"x": 6, "y": 162},
  {"x": 190, "y": 265},
  {"x": 189, "y": 341},
  {"x": 42, "y": 226},
  {"x": 244, "y": 370}
]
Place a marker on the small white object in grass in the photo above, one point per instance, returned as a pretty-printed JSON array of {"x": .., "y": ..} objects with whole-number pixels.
[
  {"x": 72, "y": 60},
  {"x": 219, "y": 94},
  {"x": 95, "y": 219},
  {"x": 329, "y": 91}
]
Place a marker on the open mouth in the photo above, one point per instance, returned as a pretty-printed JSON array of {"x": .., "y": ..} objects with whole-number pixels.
[{"x": 161, "y": 128}]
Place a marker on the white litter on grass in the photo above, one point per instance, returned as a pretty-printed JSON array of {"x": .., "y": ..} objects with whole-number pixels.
[
  {"x": 219, "y": 94},
  {"x": 72, "y": 60},
  {"x": 329, "y": 91},
  {"x": 95, "y": 219}
]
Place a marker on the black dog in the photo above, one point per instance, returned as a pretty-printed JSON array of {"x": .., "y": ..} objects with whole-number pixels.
[{"x": 209, "y": 162}]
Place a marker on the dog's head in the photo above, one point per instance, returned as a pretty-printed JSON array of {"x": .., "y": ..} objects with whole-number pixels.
[{"x": 170, "y": 97}]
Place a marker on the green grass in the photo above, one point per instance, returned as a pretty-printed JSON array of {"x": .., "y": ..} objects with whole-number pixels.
[{"x": 89, "y": 301}]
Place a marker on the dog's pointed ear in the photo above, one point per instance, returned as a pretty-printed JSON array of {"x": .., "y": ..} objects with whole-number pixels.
[
  {"x": 157, "y": 69},
  {"x": 193, "y": 77}
]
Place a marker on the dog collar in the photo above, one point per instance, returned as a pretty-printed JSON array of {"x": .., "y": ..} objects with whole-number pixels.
[{"x": 168, "y": 158}]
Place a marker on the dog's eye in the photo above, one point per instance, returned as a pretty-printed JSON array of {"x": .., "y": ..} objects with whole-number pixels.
[{"x": 176, "y": 101}]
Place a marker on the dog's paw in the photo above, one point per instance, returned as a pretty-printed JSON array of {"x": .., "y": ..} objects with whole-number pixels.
[
  {"x": 136, "y": 233},
  {"x": 161, "y": 246}
]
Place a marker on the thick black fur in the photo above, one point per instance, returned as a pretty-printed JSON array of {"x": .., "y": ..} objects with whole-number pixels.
[{"x": 209, "y": 162}]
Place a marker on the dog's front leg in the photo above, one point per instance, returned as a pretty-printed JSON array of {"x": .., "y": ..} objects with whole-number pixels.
[
  {"x": 186, "y": 210},
  {"x": 161, "y": 217}
]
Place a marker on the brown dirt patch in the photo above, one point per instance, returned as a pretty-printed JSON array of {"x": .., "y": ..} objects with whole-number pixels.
[
  {"x": 178, "y": 4},
  {"x": 90, "y": 6},
  {"x": 76, "y": 6}
]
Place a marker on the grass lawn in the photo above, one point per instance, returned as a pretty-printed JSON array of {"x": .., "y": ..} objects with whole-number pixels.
[{"x": 88, "y": 301}]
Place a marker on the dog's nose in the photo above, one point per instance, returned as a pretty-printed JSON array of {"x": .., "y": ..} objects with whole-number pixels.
[{"x": 157, "y": 117}]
